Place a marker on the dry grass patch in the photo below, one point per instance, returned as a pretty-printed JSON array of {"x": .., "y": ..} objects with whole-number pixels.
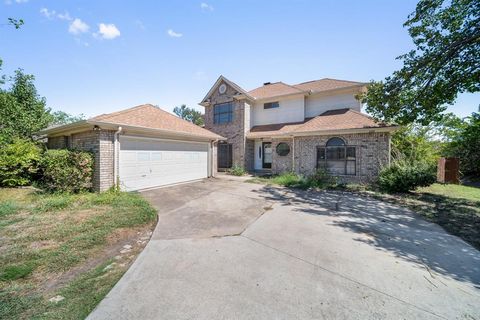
[{"x": 56, "y": 244}]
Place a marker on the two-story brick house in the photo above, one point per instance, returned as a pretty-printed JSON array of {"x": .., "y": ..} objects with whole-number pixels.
[{"x": 279, "y": 127}]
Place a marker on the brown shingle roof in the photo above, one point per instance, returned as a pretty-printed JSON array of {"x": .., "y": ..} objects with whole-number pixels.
[
  {"x": 277, "y": 89},
  {"x": 151, "y": 117},
  {"x": 273, "y": 90},
  {"x": 269, "y": 130},
  {"x": 341, "y": 119},
  {"x": 326, "y": 84}
]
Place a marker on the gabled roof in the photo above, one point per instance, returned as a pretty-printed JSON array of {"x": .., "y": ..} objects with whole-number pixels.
[
  {"x": 145, "y": 117},
  {"x": 218, "y": 82},
  {"x": 279, "y": 89},
  {"x": 327, "y": 84},
  {"x": 276, "y": 89},
  {"x": 329, "y": 121}
]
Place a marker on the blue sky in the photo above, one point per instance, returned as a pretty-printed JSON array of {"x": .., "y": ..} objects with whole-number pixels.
[{"x": 96, "y": 57}]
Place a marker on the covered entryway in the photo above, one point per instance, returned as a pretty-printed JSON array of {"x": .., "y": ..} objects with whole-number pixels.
[{"x": 148, "y": 162}]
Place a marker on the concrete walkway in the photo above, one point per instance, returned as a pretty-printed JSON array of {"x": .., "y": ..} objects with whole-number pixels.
[{"x": 233, "y": 250}]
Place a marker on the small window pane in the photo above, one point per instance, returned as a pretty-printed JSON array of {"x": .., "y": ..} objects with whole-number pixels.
[
  {"x": 321, "y": 153},
  {"x": 143, "y": 156},
  {"x": 350, "y": 153},
  {"x": 351, "y": 166},
  {"x": 336, "y": 153},
  {"x": 283, "y": 149},
  {"x": 335, "y": 142},
  {"x": 223, "y": 113},
  {"x": 271, "y": 105}
]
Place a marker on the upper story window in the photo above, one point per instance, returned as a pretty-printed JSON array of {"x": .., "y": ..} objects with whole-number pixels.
[
  {"x": 271, "y": 105},
  {"x": 223, "y": 113}
]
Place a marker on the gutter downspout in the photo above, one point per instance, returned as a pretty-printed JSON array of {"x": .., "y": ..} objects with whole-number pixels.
[
  {"x": 116, "y": 153},
  {"x": 212, "y": 172}
]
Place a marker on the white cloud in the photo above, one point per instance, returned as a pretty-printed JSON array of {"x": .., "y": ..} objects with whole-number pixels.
[
  {"x": 174, "y": 34},
  {"x": 64, "y": 16},
  {"x": 9, "y": 2},
  {"x": 107, "y": 31},
  {"x": 206, "y": 6},
  {"x": 49, "y": 14},
  {"x": 78, "y": 26}
]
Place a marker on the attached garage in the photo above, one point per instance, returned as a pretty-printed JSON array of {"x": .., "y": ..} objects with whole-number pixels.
[
  {"x": 141, "y": 147},
  {"x": 147, "y": 162}
]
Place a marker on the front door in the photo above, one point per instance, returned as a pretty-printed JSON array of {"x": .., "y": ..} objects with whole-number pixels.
[{"x": 267, "y": 155}]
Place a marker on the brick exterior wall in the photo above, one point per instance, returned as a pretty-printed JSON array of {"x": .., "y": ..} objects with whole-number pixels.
[
  {"x": 101, "y": 144},
  {"x": 233, "y": 131},
  {"x": 250, "y": 155},
  {"x": 57, "y": 142},
  {"x": 281, "y": 163},
  {"x": 372, "y": 153}
]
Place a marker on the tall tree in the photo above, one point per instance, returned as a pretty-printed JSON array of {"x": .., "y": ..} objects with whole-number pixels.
[
  {"x": 61, "y": 117},
  {"x": 445, "y": 62},
  {"x": 189, "y": 114},
  {"x": 22, "y": 111}
]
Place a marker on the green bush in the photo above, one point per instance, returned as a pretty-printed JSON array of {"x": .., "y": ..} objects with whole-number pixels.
[
  {"x": 321, "y": 179},
  {"x": 67, "y": 171},
  {"x": 18, "y": 162},
  {"x": 289, "y": 179},
  {"x": 237, "y": 171},
  {"x": 405, "y": 176}
]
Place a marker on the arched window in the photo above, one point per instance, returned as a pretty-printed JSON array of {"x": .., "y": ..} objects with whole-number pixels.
[
  {"x": 337, "y": 157},
  {"x": 335, "y": 142}
]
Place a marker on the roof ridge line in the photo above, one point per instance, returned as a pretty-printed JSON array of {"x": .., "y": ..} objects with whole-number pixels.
[{"x": 124, "y": 111}]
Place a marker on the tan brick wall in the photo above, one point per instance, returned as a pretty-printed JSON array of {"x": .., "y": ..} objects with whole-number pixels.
[
  {"x": 234, "y": 131},
  {"x": 57, "y": 142},
  {"x": 372, "y": 153},
  {"x": 100, "y": 143},
  {"x": 281, "y": 163},
  {"x": 250, "y": 155}
]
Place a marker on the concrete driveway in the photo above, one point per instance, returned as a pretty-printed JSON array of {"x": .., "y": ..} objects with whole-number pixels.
[{"x": 233, "y": 250}]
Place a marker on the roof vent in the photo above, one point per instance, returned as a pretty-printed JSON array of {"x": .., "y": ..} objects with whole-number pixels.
[{"x": 266, "y": 83}]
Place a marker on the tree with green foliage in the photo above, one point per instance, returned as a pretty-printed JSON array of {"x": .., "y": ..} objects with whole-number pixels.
[
  {"x": 466, "y": 146},
  {"x": 22, "y": 111},
  {"x": 414, "y": 143},
  {"x": 189, "y": 114},
  {"x": 445, "y": 62},
  {"x": 61, "y": 118},
  {"x": 18, "y": 162},
  {"x": 16, "y": 23}
]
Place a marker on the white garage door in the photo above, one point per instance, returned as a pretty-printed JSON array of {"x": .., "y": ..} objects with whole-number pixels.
[{"x": 146, "y": 163}]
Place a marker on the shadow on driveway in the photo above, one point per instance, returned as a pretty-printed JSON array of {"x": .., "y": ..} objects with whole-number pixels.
[{"x": 391, "y": 228}]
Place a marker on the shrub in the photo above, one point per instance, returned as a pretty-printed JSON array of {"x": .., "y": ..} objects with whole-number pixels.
[
  {"x": 18, "y": 162},
  {"x": 67, "y": 170},
  {"x": 321, "y": 179},
  {"x": 289, "y": 179},
  {"x": 404, "y": 176},
  {"x": 237, "y": 171}
]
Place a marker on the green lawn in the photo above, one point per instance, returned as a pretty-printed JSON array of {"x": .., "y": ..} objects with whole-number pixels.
[{"x": 61, "y": 245}]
